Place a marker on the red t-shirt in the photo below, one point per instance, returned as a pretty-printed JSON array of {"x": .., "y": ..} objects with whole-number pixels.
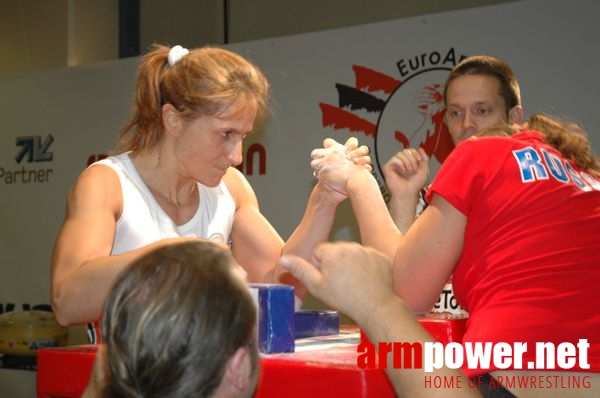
[{"x": 530, "y": 267}]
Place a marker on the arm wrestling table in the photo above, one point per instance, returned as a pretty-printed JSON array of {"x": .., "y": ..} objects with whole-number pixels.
[{"x": 321, "y": 366}]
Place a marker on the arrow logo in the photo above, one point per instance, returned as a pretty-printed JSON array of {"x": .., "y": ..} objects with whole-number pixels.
[{"x": 34, "y": 148}]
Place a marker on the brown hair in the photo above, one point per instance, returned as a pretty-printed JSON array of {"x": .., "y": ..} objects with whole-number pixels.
[
  {"x": 202, "y": 83},
  {"x": 568, "y": 137},
  {"x": 493, "y": 67},
  {"x": 172, "y": 321}
]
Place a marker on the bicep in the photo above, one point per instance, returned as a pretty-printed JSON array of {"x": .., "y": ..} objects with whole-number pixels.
[
  {"x": 90, "y": 221},
  {"x": 428, "y": 253}
]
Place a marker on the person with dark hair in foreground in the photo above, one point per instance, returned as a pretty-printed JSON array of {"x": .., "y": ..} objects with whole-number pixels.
[{"x": 179, "y": 322}]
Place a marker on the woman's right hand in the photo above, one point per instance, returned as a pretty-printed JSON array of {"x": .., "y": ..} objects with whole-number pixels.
[{"x": 335, "y": 163}]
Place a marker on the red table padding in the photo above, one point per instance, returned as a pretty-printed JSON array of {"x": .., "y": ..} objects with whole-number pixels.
[
  {"x": 329, "y": 373},
  {"x": 445, "y": 328},
  {"x": 65, "y": 371}
]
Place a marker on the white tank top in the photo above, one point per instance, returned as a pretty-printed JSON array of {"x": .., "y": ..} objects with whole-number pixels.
[{"x": 143, "y": 221}]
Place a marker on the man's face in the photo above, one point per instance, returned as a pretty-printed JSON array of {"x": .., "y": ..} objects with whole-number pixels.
[{"x": 473, "y": 103}]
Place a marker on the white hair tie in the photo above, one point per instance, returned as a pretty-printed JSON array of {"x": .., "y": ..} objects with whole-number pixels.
[{"x": 176, "y": 53}]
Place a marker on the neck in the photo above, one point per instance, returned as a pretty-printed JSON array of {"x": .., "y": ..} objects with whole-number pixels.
[{"x": 164, "y": 181}]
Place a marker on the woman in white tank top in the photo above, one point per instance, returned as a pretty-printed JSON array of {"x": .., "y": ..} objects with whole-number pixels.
[{"x": 174, "y": 179}]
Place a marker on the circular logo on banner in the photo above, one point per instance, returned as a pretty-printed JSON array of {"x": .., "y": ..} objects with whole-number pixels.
[{"x": 397, "y": 112}]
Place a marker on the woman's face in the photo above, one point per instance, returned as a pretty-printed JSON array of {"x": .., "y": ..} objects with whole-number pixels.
[{"x": 209, "y": 145}]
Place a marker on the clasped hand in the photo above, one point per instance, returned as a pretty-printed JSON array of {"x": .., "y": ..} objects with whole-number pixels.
[{"x": 334, "y": 164}]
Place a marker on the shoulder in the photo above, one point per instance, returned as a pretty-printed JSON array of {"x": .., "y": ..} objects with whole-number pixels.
[
  {"x": 501, "y": 141},
  {"x": 235, "y": 179},
  {"x": 97, "y": 190},
  {"x": 101, "y": 173},
  {"x": 238, "y": 186},
  {"x": 482, "y": 142},
  {"x": 113, "y": 171},
  {"x": 98, "y": 183},
  {"x": 483, "y": 147}
]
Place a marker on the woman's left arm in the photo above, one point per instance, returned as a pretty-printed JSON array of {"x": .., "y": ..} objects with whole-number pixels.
[{"x": 257, "y": 246}]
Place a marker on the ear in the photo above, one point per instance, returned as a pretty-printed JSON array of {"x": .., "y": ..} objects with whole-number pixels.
[
  {"x": 238, "y": 370},
  {"x": 171, "y": 120},
  {"x": 515, "y": 115}
]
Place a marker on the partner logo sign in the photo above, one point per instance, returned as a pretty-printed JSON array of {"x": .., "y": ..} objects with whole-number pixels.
[{"x": 32, "y": 149}]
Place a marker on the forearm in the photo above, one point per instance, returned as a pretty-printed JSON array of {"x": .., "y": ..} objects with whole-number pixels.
[
  {"x": 78, "y": 297},
  {"x": 78, "y": 294},
  {"x": 315, "y": 225},
  {"x": 313, "y": 229},
  {"x": 403, "y": 211},
  {"x": 377, "y": 229}
]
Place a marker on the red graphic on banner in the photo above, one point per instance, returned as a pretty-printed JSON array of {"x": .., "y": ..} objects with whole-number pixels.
[
  {"x": 342, "y": 119},
  {"x": 372, "y": 80}
]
